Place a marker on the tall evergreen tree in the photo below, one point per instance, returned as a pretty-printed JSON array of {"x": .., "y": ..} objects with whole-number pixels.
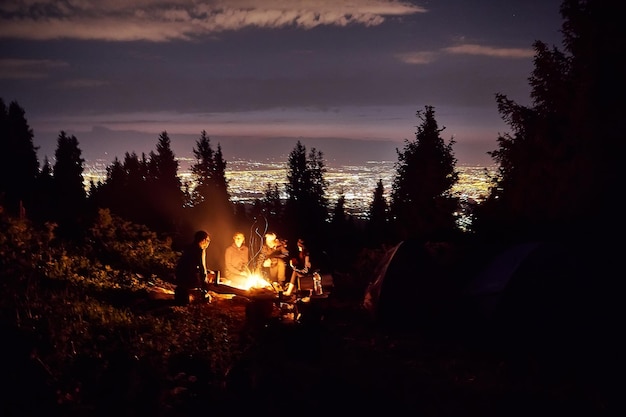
[
  {"x": 209, "y": 173},
  {"x": 203, "y": 169},
  {"x": 271, "y": 204},
  {"x": 116, "y": 174},
  {"x": 69, "y": 201},
  {"x": 166, "y": 197},
  {"x": 377, "y": 226},
  {"x": 306, "y": 209},
  {"x": 342, "y": 228},
  {"x": 46, "y": 170},
  {"x": 297, "y": 175},
  {"x": 219, "y": 175},
  {"x": 560, "y": 166},
  {"x": 19, "y": 166},
  {"x": 44, "y": 194},
  {"x": 210, "y": 201},
  {"x": 133, "y": 192},
  {"x": 122, "y": 190},
  {"x": 110, "y": 193},
  {"x": 560, "y": 176},
  {"x": 339, "y": 216},
  {"x": 422, "y": 205},
  {"x": 163, "y": 168}
]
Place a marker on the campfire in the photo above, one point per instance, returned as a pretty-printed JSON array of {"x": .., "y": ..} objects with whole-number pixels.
[
  {"x": 266, "y": 302},
  {"x": 253, "y": 281}
]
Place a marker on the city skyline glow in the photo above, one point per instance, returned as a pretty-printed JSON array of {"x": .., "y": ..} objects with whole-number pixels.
[{"x": 248, "y": 181}]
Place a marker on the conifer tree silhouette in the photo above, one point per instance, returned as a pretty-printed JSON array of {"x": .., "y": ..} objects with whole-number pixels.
[
  {"x": 560, "y": 166},
  {"x": 19, "y": 166},
  {"x": 422, "y": 205}
]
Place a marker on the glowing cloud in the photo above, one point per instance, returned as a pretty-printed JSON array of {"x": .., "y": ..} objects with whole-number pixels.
[
  {"x": 165, "y": 20},
  {"x": 417, "y": 58},
  {"x": 473, "y": 49}
]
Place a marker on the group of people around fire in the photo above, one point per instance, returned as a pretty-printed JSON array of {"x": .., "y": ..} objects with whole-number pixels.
[{"x": 272, "y": 262}]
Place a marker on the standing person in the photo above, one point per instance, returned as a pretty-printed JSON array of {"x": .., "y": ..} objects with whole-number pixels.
[
  {"x": 272, "y": 260},
  {"x": 191, "y": 271},
  {"x": 236, "y": 259},
  {"x": 300, "y": 266}
]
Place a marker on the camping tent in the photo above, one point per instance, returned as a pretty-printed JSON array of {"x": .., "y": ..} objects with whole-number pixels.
[
  {"x": 531, "y": 295},
  {"x": 556, "y": 303},
  {"x": 487, "y": 287},
  {"x": 372, "y": 294},
  {"x": 525, "y": 292},
  {"x": 413, "y": 285}
]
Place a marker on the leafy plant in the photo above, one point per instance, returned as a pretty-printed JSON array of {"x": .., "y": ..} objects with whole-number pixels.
[{"x": 84, "y": 307}]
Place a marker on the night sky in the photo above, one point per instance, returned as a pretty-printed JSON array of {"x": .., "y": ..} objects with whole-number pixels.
[{"x": 117, "y": 73}]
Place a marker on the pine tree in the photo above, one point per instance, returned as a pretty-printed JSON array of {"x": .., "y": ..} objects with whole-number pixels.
[
  {"x": 339, "y": 216},
  {"x": 209, "y": 173},
  {"x": 219, "y": 175},
  {"x": 68, "y": 169},
  {"x": 44, "y": 194},
  {"x": 46, "y": 170},
  {"x": 342, "y": 230},
  {"x": 135, "y": 174},
  {"x": 124, "y": 191},
  {"x": 111, "y": 192},
  {"x": 421, "y": 202},
  {"x": 271, "y": 204},
  {"x": 560, "y": 166},
  {"x": 377, "y": 226},
  {"x": 163, "y": 168},
  {"x": 69, "y": 201},
  {"x": 306, "y": 209},
  {"x": 203, "y": 170},
  {"x": 165, "y": 195},
  {"x": 297, "y": 181},
  {"x": 19, "y": 166},
  {"x": 210, "y": 203}
]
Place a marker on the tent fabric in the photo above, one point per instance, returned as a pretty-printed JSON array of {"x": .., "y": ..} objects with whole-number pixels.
[
  {"x": 372, "y": 294},
  {"x": 526, "y": 289},
  {"x": 411, "y": 286},
  {"x": 555, "y": 301},
  {"x": 494, "y": 278},
  {"x": 533, "y": 295},
  {"x": 524, "y": 275},
  {"x": 486, "y": 287}
]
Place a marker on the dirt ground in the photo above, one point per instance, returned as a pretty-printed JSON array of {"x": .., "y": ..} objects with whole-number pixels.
[{"x": 326, "y": 354}]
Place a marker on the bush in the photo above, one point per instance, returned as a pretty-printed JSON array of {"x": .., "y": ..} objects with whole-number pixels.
[{"x": 78, "y": 308}]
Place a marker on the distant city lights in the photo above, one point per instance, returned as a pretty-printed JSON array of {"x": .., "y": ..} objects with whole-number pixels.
[{"x": 248, "y": 180}]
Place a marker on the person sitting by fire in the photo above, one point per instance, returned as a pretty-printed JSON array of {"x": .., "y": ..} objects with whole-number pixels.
[
  {"x": 300, "y": 267},
  {"x": 272, "y": 260},
  {"x": 192, "y": 275},
  {"x": 236, "y": 258}
]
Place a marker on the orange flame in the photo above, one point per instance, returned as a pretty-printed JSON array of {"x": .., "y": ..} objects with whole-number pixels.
[{"x": 250, "y": 282}]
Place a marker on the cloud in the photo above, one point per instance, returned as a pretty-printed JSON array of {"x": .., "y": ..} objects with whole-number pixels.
[
  {"x": 473, "y": 49},
  {"x": 426, "y": 57},
  {"x": 20, "y": 69},
  {"x": 417, "y": 58},
  {"x": 164, "y": 20}
]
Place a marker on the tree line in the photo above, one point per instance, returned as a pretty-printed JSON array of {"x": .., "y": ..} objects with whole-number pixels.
[{"x": 558, "y": 171}]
